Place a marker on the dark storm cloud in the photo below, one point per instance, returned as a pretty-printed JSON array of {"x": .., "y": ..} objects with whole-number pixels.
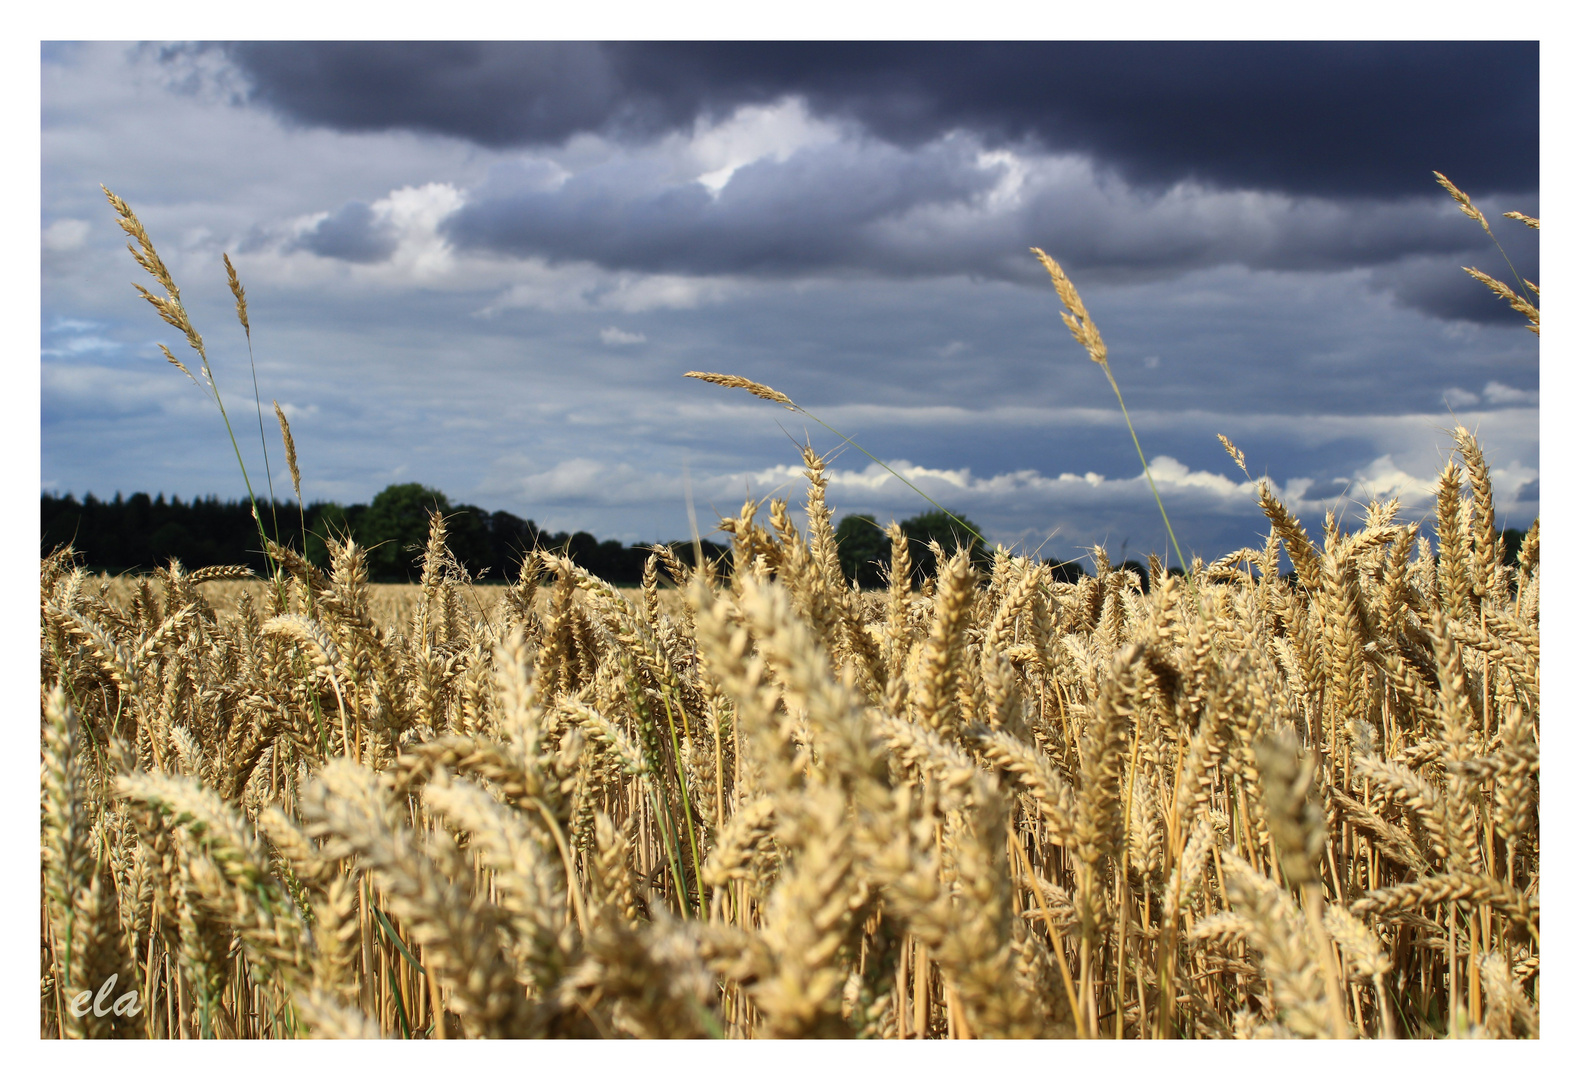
[
  {"x": 1442, "y": 289},
  {"x": 858, "y": 206},
  {"x": 494, "y": 93},
  {"x": 818, "y": 208},
  {"x": 1328, "y": 489},
  {"x": 352, "y": 233},
  {"x": 1327, "y": 118}
]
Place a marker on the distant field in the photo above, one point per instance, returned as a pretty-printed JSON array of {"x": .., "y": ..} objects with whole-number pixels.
[{"x": 389, "y": 605}]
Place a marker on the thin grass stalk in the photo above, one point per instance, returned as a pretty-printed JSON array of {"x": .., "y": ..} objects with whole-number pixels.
[{"x": 172, "y": 311}]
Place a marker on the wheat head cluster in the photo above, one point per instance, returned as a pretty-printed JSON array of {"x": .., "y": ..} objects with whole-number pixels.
[{"x": 750, "y": 800}]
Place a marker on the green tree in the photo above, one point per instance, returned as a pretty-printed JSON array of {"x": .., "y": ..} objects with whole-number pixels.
[
  {"x": 1512, "y": 539},
  {"x": 941, "y": 526},
  {"x": 395, "y": 530},
  {"x": 1069, "y": 571},
  {"x": 466, "y": 530},
  {"x": 863, "y": 549},
  {"x": 328, "y": 521},
  {"x": 1141, "y": 572}
]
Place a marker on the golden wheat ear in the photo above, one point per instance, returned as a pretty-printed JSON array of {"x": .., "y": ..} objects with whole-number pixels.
[
  {"x": 290, "y": 449},
  {"x": 737, "y": 382}
]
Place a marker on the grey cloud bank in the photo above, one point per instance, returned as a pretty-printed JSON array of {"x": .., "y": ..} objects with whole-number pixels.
[{"x": 1305, "y": 117}]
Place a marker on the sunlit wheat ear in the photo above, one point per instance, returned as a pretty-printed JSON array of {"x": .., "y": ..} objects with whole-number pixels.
[
  {"x": 736, "y": 382},
  {"x": 1283, "y": 940},
  {"x": 768, "y": 393},
  {"x": 290, "y": 449},
  {"x": 147, "y": 257},
  {"x": 1295, "y": 821},
  {"x": 170, "y": 356},
  {"x": 169, "y": 306},
  {"x": 1466, "y": 207},
  {"x": 1505, "y": 999},
  {"x": 1297, "y": 542},
  {"x": 1236, "y": 453},
  {"x": 327, "y": 1018},
  {"x": 1524, "y": 305},
  {"x": 239, "y": 293},
  {"x": 1077, "y": 319},
  {"x": 937, "y": 685},
  {"x": 241, "y": 314},
  {"x": 426, "y": 885},
  {"x": 1513, "y": 299},
  {"x": 527, "y": 881}
]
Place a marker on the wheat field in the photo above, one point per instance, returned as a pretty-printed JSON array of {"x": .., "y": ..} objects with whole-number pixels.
[
  {"x": 749, "y": 800},
  {"x": 763, "y": 804}
]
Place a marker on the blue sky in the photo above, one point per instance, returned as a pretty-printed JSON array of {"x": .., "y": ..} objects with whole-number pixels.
[{"x": 486, "y": 267}]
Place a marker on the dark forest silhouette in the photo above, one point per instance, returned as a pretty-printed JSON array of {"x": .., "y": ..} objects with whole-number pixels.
[{"x": 139, "y": 533}]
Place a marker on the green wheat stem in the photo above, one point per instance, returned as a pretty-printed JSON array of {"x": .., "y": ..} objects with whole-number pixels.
[
  {"x": 1086, "y": 334},
  {"x": 685, "y": 802},
  {"x": 1528, "y": 298},
  {"x": 245, "y": 479},
  {"x": 263, "y": 439},
  {"x": 1146, "y": 469},
  {"x": 668, "y": 833},
  {"x": 1473, "y": 212}
]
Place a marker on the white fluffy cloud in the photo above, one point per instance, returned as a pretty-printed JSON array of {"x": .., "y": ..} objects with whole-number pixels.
[
  {"x": 613, "y": 335},
  {"x": 65, "y": 234}
]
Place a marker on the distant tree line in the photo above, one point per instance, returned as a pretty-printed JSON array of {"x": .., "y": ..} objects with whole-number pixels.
[
  {"x": 139, "y": 533},
  {"x": 865, "y": 549}
]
